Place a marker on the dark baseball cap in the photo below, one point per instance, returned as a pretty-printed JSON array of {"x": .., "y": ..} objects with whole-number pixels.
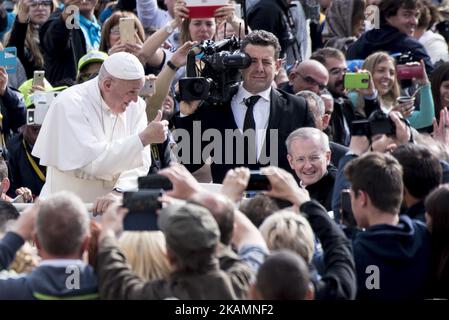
[{"x": 188, "y": 228}]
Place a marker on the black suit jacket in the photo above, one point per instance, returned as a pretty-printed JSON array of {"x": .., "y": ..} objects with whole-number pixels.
[{"x": 287, "y": 113}]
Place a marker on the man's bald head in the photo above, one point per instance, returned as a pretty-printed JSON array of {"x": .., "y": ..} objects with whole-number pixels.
[{"x": 309, "y": 75}]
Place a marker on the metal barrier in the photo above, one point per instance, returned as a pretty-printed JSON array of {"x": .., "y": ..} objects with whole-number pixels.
[{"x": 22, "y": 206}]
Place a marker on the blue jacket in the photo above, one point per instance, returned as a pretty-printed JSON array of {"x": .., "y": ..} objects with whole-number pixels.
[
  {"x": 402, "y": 255},
  {"x": 13, "y": 110},
  {"x": 46, "y": 282},
  {"x": 389, "y": 39}
]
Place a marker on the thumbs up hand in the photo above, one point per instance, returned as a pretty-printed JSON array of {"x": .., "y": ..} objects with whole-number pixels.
[{"x": 156, "y": 131}]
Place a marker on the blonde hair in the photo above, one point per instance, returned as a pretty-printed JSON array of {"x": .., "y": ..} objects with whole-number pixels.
[
  {"x": 146, "y": 251},
  {"x": 26, "y": 258},
  {"x": 32, "y": 38},
  {"x": 287, "y": 229},
  {"x": 370, "y": 64}
]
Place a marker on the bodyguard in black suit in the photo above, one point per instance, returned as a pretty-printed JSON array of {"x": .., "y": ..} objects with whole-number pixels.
[{"x": 273, "y": 115}]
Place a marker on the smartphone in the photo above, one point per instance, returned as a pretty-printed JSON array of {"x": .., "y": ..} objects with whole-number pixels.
[
  {"x": 30, "y": 116},
  {"x": 258, "y": 181},
  {"x": 346, "y": 214},
  {"x": 8, "y": 59},
  {"x": 201, "y": 9},
  {"x": 409, "y": 71},
  {"x": 154, "y": 181},
  {"x": 238, "y": 10},
  {"x": 127, "y": 30},
  {"x": 38, "y": 78},
  {"x": 149, "y": 88},
  {"x": 18, "y": 199},
  {"x": 356, "y": 80},
  {"x": 142, "y": 208}
]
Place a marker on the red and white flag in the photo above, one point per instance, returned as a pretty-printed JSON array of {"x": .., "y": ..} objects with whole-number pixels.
[{"x": 203, "y": 8}]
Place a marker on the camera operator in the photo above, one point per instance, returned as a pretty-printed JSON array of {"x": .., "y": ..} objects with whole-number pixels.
[{"x": 254, "y": 106}]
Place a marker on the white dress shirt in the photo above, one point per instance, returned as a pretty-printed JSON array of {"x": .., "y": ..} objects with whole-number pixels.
[{"x": 261, "y": 113}]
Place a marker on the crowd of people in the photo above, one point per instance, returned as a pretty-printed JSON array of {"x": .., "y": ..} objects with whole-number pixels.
[{"x": 339, "y": 105}]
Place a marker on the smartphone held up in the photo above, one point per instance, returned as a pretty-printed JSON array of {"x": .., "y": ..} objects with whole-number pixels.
[{"x": 127, "y": 30}]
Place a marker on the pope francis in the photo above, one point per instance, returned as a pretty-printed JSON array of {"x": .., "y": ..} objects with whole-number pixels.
[{"x": 95, "y": 137}]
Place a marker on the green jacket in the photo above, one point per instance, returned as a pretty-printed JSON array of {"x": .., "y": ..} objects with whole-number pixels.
[{"x": 117, "y": 281}]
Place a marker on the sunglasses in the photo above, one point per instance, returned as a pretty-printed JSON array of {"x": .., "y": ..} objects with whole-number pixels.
[{"x": 312, "y": 81}]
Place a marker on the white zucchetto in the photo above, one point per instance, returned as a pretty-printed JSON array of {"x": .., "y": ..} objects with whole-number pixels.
[{"x": 124, "y": 66}]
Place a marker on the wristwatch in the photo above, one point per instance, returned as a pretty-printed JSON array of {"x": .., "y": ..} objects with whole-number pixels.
[
  {"x": 172, "y": 66},
  {"x": 169, "y": 28}
]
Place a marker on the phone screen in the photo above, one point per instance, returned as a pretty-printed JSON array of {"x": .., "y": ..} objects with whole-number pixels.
[
  {"x": 142, "y": 206},
  {"x": 154, "y": 181},
  {"x": 30, "y": 116},
  {"x": 258, "y": 182}
]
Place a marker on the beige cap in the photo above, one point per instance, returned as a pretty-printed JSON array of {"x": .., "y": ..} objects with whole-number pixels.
[{"x": 125, "y": 66}]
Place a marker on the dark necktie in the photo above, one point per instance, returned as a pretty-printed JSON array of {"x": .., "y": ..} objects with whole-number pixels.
[{"x": 249, "y": 123}]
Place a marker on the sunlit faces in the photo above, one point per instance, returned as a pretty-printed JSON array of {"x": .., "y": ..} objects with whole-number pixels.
[
  {"x": 405, "y": 20},
  {"x": 40, "y": 11},
  {"x": 308, "y": 159},
  {"x": 384, "y": 76},
  {"x": 260, "y": 74},
  {"x": 444, "y": 93},
  {"x": 118, "y": 94},
  {"x": 314, "y": 80},
  {"x": 86, "y": 6},
  {"x": 337, "y": 69},
  {"x": 202, "y": 29}
]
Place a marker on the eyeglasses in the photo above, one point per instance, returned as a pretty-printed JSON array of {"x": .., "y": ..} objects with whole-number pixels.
[
  {"x": 313, "y": 159},
  {"x": 337, "y": 71},
  {"x": 87, "y": 76},
  {"x": 312, "y": 81},
  {"x": 36, "y": 4},
  {"x": 115, "y": 31}
]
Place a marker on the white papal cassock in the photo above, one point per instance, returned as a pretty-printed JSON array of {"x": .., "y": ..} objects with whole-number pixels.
[{"x": 87, "y": 149}]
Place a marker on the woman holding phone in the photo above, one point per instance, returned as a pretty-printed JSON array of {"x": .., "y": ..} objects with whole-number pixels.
[
  {"x": 110, "y": 34},
  {"x": 195, "y": 30},
  {"x": 31, "y": 14},
  {"x": 383, "y": 69},
  {"x": 192, "y": 31}
]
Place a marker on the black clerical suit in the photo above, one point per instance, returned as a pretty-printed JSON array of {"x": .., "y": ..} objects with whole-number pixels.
[{"x": 287, "y": 113}]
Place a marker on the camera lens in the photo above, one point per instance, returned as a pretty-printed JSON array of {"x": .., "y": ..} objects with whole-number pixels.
[{"x": 197, "y": 87}]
